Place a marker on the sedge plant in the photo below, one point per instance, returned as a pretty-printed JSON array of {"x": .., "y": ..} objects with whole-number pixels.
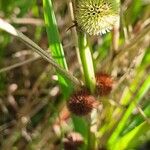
[{"x": 100, "y": 105}]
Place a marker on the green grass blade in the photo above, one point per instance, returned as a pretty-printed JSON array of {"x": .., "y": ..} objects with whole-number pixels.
[
  {"x": 131, "y": 139},
  {"x": 141, "y": 92},
  {"x": 136, "y": 121},
  {"x": 55, "y": 45}
]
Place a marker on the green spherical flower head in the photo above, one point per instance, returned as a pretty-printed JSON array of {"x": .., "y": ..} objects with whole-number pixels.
[{"x": 97, "y": 16}]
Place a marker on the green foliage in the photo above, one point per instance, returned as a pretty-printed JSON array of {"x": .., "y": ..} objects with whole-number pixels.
[
  {"x": 138, "y": 96},
  {"x": 57, "y": 52},
  {"x": 9, "y": 6},
  {"x": 131, "y": 139},
  {"x": 38, "y": 105},
  {"x": 133, "y": 12},
  {"x": 55, "y": 45}
]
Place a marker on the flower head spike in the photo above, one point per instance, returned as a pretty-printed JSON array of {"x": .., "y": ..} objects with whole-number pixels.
[
  {"x": 97, "y": 16},
  {"x": 81, "y": 103},
  {"x": 104, "y": 84}
]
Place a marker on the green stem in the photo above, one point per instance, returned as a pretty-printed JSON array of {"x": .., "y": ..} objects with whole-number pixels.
[
  {"x": 11, "y": 30},
  {"x": 89, "y": 77},
  {"x": 87, "y": 62}
]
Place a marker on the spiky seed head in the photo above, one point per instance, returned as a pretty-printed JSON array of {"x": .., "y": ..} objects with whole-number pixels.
[
  {"x": 104, "y": 84},
  {"x": 73, "y": 141},
  {"x": 97, "y": 16},
  {"x": 81, "y": 103}
]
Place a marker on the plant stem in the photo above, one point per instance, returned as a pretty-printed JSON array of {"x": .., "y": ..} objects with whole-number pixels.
[
  {"x": 19, "y": 64},
  {"x": 11, "y": 30},
  {"x": 87, "y": 62},
  {"x": 89, "y": 77}
]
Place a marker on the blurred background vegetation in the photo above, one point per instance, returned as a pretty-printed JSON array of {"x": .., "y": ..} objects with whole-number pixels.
[{"x": 32, "y": 112}]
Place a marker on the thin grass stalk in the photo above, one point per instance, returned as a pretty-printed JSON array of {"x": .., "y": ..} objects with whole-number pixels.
[
  {"x": 74, "y": 32},
  {"x": 139, "y": 95},
  {"x": 137, "y": 120},
  {"x": 19, "y": 64},
  {"x": 11, "y": 30},
  {"x": 130, "y": 139}
]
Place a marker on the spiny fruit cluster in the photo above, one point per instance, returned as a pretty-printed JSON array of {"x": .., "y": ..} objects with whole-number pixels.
[
  {"x": 96, "y": 16},
  {"x": 82, "y": 102},
  {"x": 104, "y": 84}
]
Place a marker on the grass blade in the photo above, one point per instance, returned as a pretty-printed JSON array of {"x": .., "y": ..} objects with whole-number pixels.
[
  {"x": 11, "y": 30},
  {"x": 55, "y": 45},
  {"x": 131, "y": 139},
  {"x": 140, "y": 93},
  {"x": 136, "y": 120}
]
